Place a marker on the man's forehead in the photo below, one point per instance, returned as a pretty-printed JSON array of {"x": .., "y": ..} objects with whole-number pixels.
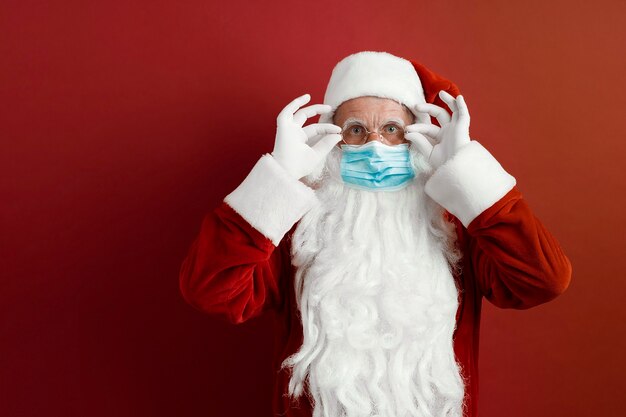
[{"x": 371, "y": 107}]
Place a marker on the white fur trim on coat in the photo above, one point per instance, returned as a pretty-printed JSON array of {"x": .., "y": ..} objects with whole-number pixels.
[
  {"x": 469, "y": 183},
  {"x": 271, "y": 200}
]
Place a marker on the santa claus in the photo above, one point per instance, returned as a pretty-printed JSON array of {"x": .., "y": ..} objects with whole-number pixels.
[{"x": 374, "y": 235}]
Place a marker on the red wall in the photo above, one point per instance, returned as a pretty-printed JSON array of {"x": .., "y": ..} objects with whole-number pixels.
[{"x": 123, "y": 122}]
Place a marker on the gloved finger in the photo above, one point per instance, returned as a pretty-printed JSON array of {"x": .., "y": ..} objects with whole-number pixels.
[
  {"x": 313, "y": 140},
  {"x": 432, "y": 140},
  {"x": 422, "y": 117},
  {"x": 310, "y": 111},
  {"x": 439, "y": 113},
  {"x": 422, "y": 143},
  {"x": 291, "y": 108},
  {"x": 463, "y": 110},
  {"x": 450, "y": 101},
  {"x": 431, "y": 130},
  {"x": 320, "y": 129},
  {"x": 326, "y": 144}
]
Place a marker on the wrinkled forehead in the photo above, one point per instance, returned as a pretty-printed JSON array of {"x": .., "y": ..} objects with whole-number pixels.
[{"x": 372, "y": 109}]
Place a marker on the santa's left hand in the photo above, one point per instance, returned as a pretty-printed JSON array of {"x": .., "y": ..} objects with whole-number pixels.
[{"x": 439, "y": 144}]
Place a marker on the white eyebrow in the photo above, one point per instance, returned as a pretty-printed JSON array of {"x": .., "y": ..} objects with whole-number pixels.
[
  {"x": 395, "y": 120},
  {"x": 352, "y": 120}
]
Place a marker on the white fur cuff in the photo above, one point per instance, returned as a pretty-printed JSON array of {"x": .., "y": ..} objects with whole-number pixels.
[
  {"x": 469, "y": 183},
  {"x": 270, "y": 200}
]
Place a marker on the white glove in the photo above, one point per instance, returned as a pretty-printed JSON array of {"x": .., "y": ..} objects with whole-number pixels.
[
  {"x": 290, "y": 149},
  {"x": 439, "y": 144}
]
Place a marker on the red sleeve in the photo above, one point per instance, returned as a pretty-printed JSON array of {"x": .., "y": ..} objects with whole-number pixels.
[
  {"x": 231, "y": 269},
  {"x": 516, "y": 262}
]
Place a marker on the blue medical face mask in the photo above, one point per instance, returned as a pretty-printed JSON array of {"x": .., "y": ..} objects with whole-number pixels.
[{"x": 375, "y": 166}]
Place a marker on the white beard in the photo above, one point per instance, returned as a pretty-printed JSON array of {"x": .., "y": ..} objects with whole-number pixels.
[{"x": 377, "y": 300}]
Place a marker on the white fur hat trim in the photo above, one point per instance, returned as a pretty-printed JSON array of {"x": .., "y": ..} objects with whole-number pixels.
[{"x": 378, "y": 74}]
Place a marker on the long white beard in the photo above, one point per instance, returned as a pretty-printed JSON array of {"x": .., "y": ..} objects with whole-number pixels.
[{"x": 377, "y": 301}]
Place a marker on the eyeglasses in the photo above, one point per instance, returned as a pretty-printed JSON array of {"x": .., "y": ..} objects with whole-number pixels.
[{"x": 357, "y": 134}]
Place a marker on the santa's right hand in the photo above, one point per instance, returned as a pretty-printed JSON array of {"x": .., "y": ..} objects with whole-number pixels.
[{"x": 290, "y": 148}]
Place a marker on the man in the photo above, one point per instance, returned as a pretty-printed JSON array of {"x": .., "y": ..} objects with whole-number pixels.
[{"x": 373, "y": 235}]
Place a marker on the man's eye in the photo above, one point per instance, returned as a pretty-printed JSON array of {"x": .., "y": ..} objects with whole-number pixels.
[
  {"x": 391, "y": 129},
  {"x": 356, "y": 130}
]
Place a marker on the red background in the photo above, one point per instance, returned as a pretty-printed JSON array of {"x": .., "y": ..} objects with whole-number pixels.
[{"x": 123, "y": 122}]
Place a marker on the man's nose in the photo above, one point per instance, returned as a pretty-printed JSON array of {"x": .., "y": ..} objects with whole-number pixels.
[{"x": 373, "y": 136}]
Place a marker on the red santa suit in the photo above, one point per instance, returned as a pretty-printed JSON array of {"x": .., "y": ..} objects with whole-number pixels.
[{"x": 239, "y": 266}]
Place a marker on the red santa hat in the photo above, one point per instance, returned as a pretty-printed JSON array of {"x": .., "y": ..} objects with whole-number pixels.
[{"x": 382, "y": 74}]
